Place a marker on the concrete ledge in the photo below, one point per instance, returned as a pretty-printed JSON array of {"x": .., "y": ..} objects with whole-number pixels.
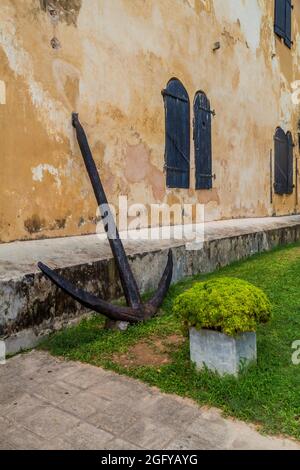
[{"x": 31, "y": 304}]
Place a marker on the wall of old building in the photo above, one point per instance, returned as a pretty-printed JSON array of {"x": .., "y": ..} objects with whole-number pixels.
[{"x": 109, "y": 60}]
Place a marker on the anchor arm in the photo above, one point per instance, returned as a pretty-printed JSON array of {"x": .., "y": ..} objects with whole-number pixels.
[
  {"x": 114, "y": 312},
  {"x": 164, "y": 284}
]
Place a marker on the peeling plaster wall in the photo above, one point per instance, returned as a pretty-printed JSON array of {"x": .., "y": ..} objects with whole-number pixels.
[{"x": 109, "y": 60}]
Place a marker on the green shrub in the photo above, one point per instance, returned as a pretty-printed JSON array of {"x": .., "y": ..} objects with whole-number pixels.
[{"x": 228, "y": 305}]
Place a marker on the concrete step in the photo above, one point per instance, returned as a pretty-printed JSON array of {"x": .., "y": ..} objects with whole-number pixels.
[{"x": 32, "y": 307}]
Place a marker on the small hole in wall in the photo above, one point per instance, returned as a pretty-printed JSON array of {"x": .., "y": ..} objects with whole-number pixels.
[
  {"x": 55, "y": 43},
  {"x": 53, "y": 13}
]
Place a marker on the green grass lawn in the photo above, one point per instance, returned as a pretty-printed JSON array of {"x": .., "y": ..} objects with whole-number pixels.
[{"x": 268, "y": 395}]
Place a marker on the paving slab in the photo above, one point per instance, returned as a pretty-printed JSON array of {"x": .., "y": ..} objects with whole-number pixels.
[
  {"x": 84, "y": 404},
  {"x": 86, "y": 407},
  {"x": 87, "y": 437},
  {"x": 116, "y": 418}
]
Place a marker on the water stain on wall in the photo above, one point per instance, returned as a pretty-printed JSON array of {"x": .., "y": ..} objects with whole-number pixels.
[
  {"x": 138, "y": 167},
  {"x": 62, "y": 10},
  {"x": 67, "y": 81},
  {"x": 34, "y": 224}
]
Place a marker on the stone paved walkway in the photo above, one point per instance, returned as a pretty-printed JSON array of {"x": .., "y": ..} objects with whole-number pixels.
[{"x": 48, "y": 403}]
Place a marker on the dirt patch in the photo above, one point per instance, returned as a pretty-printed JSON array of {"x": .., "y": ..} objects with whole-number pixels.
[{"x": 151, "y": 352}]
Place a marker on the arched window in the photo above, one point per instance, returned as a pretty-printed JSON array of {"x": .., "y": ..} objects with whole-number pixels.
[
  {"x": 202, "y": 141},
  {"x": 284, "y": 174},
  {"x": 177, "y": 151}
]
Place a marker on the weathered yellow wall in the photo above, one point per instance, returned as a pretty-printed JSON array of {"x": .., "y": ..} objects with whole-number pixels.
[{"x": 110, "y": 62}]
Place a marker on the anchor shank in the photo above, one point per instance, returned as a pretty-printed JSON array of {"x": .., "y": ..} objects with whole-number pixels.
[{"x": 128, "y": 281}]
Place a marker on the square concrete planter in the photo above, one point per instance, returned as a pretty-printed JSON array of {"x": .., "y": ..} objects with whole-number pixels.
[{"x": 221, "y": 353}]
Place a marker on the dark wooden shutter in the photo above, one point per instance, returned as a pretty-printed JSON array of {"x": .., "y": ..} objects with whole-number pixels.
[
  {"x": 290, "y": 164},
  {"x": 177, "y": 152},
  {"x": 202, "y": 141},
  {"x": 280, "y": 22},
  {"x": 288, "y": 24},
  {"x": 283, "y": 20},
  {"x": 281, "y": 159}
]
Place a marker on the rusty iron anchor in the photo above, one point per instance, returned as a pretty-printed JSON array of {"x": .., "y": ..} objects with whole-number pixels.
[{"x": 135, "y": 311}]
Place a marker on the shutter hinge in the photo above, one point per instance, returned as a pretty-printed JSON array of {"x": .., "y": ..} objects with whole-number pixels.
[
  {"x": 204, "y": 175},
  {"x": 180, "y": 98},
  {"x": 210, "y": 111},
  {"x": 173, "y": 168}
]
